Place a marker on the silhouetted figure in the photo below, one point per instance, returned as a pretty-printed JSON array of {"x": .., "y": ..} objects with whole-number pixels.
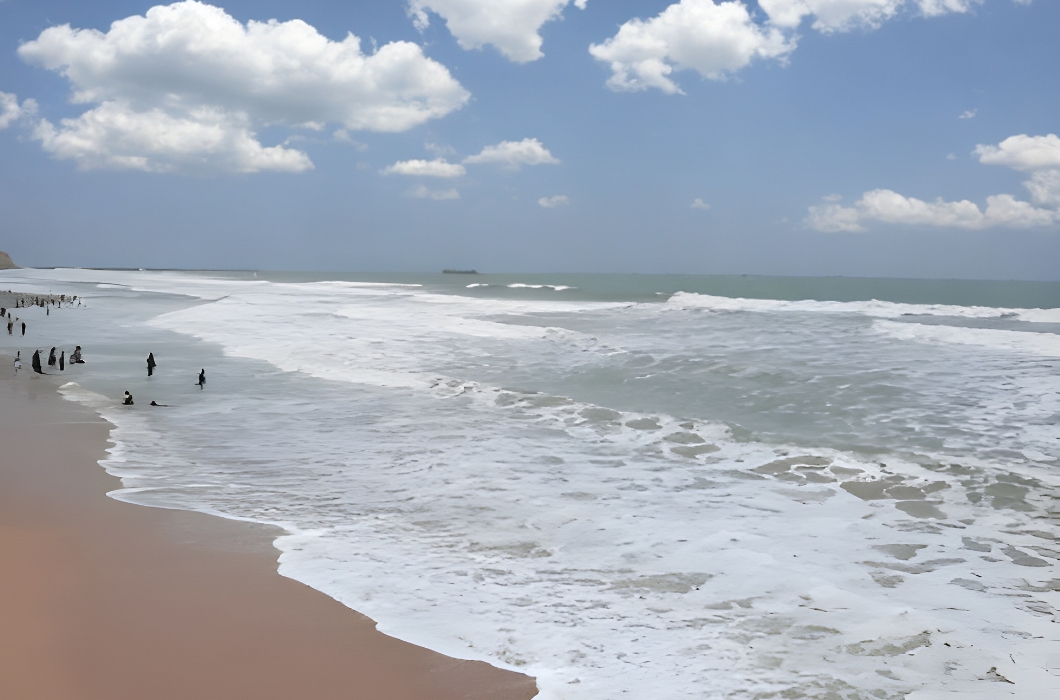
[
  {"x": 128, "y": 400},
  {"x": 75, "y": 356},
  {"x": 36, "y": 362},
  {"x": 62, "y": 361},
  {"x": 161, "y": 405},
  {"x": 52, "y": 359},
  {"x": 23, "y": 328},
  {"x": 18, "y": 361},
  {"x": 202, "y": 378},
  {"x": 47, "y": 311},
  {"x": 10, "y": 327},
  {"x": 3, "y": 311},
  {"x": 150, "y": 364}
]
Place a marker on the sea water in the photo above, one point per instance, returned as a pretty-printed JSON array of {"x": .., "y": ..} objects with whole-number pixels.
[{"x": 625, "y": 486}]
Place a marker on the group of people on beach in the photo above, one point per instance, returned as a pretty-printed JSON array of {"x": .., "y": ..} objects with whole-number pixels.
[
  {"x": 151, "y": 364},
  {"x": 60, "y": 361},
  {"x": 35, "y": 363},
  {"x": 6, "y": 315}
]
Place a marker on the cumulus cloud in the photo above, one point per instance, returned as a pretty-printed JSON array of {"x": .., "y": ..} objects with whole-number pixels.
[
  {"x": 890, "y": 207},
  {"x": 968, "y": 114},
  {"x": 424, "y": 192},
  {"x": 11, "y": 111},
  {"x": 1022, "y": 152},
  {"x": 698, "y": 203},
  {"x": 115, "y": 136},
  {"x": 718, "y": 38},
  {"x": 713, "y": 39},
  {"x": 1044, "y": 187},
  {"x": 1038, "y": 154},
  {"x": 554, "y": 201},
  {"x": 439, "y": 167},
  {"x": 511, "y": 26},
  {"x": 830, "y": 16},
  {"x": 514, "y": 154},
  {"x": 191, "y": 64}
]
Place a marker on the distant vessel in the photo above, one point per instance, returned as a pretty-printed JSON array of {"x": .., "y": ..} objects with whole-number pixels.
[{"x": 460, "y": 272}]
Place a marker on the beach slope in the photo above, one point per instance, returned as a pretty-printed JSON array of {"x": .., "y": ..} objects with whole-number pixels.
[{"x": 102, "y": 599}]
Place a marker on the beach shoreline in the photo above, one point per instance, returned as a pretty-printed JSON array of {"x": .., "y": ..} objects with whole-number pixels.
[{"x": 105, "y": 599}]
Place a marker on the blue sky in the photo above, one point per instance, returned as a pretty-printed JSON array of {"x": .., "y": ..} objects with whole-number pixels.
[{"x": 802, "y": 137}]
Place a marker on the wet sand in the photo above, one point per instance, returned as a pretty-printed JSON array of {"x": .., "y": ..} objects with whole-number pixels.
[{"x": 102, "y": 599}]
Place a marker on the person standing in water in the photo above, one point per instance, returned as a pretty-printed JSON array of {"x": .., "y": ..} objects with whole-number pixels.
[
  {"x": 150, "y": 364},
  {"x": 18, "y": 361},
  {"x": 23, "y": 328},
  {"x": 36, "y": 362},
  {"x": 52, "y": 359},
  {"x": 202, "y": 378}
]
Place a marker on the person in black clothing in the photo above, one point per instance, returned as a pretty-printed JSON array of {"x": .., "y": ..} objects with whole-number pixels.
[
  {"x": 36, "y": 362},
  {"x": 62, "y": 361},
  {"x": 202, "y": 378},
  {"x": 51, "y": 358},
  {"x": 128, "y": 400},
  {"x": 150, "y": 364},
  {"x": 23, "y": 328}
]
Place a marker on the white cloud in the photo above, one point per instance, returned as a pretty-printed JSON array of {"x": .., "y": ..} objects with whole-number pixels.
[
  {"x": 511, "y": 26},
  {"x": 717, "y": 38},
  {"x": 438, "y": 167},
  {"x": 830, "y": 16},
  {"x": 1023, "y": 152},
  {"x": 1039, "y": 154},
  {"x": 968, "y": 114},
  {"x": 11, "y": 111},
  {"x": 115, "y": 136},
  {"x": 1044, "y": 187},
  {"x": 554, "y": 201},
  {"x": 182, "y": 62},
  {"x": 698, "y": 203},
  {"x": 513, "y": 154},
  {"x": 890, "y": 207},
  {"x": 424, "y": 192},
  {"x": 713, "y": 39}
]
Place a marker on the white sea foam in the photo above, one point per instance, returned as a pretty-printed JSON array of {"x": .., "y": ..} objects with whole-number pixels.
[
  {"x": 620, "y": 500},
  {"x": 556, "y": 287},
  {"x": 1044, "y": 344},
  {"x": 876, "y": 308}
]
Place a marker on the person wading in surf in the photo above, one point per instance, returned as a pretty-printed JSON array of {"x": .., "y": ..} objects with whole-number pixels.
[
  {"x": 202, "y": 378},
  {"x": 150, "y": 364}
]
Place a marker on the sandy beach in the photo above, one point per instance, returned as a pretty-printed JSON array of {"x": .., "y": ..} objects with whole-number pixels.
[{"x": 102, "y": 599}]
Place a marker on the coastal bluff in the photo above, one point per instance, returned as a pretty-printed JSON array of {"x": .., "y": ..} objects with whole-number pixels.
[{"x": 6, "y": 263}]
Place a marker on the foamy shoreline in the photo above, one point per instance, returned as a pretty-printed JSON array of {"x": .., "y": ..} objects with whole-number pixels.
[{"x": 191, "y": 604}]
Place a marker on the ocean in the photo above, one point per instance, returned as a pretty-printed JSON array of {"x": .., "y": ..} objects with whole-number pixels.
[{"x": 633, "y": 486}]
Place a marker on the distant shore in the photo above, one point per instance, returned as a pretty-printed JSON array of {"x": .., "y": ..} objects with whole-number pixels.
[{"x": 103, "y": 599}]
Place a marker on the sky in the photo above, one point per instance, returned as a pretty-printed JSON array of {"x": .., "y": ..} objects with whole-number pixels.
[{"x": 894, "y": 138}]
